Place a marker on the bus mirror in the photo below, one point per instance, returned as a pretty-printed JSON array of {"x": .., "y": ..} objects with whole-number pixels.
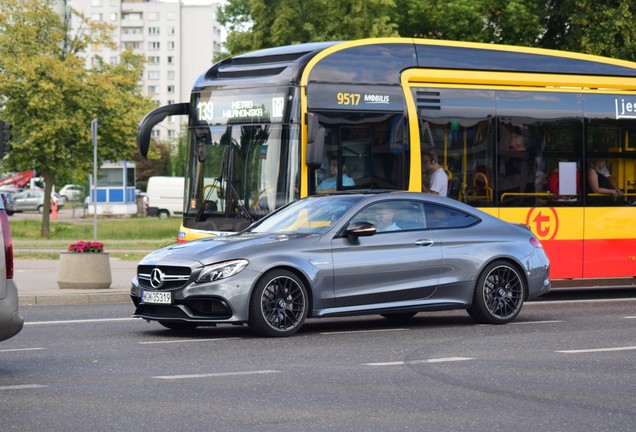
[
  {"x": 315, "y": 142},
  {"x": 144, "y": 130}
]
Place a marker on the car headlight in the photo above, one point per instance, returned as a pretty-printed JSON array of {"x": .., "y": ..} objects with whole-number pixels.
[{"x": 221, "y": 270}]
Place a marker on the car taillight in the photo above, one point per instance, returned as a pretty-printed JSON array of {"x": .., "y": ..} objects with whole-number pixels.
[
  {"x": 8, "y": 243},
  {"x": 535, "y": 242}
]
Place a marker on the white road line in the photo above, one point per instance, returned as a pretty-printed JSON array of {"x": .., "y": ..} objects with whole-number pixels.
[
  {"x": 630, "y": 317},
  {"x": 362, "y": 331},
  {"x": 22, "y": 387},
  {"x": 536, "y": 322},
  {"x": 21, "y": 349},
  {"x": 410, "y": 362},
  {"x": 218, "y": 374},
  {"x": 555, "y": 302},
  {"x": 186, "y": 341},
  {"x": 82, "y": 321},
  {"x": 593, "y": 350}
]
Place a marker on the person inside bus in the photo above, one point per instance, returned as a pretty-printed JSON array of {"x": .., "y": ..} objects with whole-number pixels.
[
  {"x": 437, "y": 183},
  {"x": 331, "y": 183},
  {"x": 599, "y": 182}
]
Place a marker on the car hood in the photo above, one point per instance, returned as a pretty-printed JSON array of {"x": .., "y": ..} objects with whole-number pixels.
[{"x": 215, "y": 249}]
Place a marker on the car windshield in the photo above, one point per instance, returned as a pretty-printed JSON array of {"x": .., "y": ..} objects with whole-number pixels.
[{"x": 310, "y": 215}]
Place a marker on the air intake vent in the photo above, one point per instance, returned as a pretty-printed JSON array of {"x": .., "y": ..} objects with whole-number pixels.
[{"x": 427, "y": 100}]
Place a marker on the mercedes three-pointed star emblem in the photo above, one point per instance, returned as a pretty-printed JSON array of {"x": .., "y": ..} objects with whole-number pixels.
[{"x": 156, "y": 278}]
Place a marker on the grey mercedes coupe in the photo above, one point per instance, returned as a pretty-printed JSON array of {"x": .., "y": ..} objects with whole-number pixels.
[{"x": 388, "y": 253}]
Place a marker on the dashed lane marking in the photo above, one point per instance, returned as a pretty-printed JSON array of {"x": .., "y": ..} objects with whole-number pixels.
[
  {"x": 217, "y": 374},
  {"x": 595, "y": 350},
  {"x": 411, "y": 362}
]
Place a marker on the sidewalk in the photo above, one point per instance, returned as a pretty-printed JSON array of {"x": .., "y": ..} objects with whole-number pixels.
[{"x": 37, "y": 284}]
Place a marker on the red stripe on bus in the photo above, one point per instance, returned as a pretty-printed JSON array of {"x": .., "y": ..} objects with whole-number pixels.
[
  {"x": 609, "y": 258},
  {"x": 599, "y": 258}
]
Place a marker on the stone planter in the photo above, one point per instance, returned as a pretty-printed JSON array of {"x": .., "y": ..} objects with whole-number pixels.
[{"x": 84, "y": 271}]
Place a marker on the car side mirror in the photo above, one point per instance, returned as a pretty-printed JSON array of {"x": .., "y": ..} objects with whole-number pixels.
[{"x": 360, "y": 229}]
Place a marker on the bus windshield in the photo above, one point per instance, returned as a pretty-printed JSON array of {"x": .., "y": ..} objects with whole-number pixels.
[{"x": 239, "y": 174}]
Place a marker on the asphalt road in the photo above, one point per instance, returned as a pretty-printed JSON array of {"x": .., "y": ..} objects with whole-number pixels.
[{"x": 561, "y": 366}]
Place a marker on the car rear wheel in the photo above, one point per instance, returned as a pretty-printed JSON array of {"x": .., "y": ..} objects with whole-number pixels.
[
  {"x": 278, "y": 306},
  {"x": 178, "y": 326},
  {"x": 499, "y": 294}
]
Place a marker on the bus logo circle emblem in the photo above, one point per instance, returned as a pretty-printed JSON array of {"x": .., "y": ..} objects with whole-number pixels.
[
  {"x": 156, "y": 278},
  {"x": 544, "y": 222}
]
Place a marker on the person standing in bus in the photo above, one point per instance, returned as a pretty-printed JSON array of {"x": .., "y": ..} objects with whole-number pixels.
[
  {"x": 331, "y": 183},
  {"x": 599, "y": 182},
  {"x": 437, "y": 183}
]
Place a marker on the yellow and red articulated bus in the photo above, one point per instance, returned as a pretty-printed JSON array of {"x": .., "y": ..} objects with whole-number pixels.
[{"x": 523, "y": 133}]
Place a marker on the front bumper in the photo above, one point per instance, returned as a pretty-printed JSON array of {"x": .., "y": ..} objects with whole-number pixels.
[{"x": 225, "y": 301}]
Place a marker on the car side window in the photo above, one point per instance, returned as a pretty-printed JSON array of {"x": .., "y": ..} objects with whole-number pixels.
[
  {"x": 391, "y": 216},
  {"x": 439, "y": 217}
]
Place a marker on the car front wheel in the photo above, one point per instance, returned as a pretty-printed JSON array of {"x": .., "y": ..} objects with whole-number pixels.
[
  {"x": 278, "y": 306},
  {"x": 499, "y": 294}
]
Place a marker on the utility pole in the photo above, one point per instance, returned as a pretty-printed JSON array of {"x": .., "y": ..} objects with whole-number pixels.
[{"x": 94, "y": 125}]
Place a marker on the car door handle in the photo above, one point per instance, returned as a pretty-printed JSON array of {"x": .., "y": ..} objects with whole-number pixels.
[{"x": 424, "y": 242}]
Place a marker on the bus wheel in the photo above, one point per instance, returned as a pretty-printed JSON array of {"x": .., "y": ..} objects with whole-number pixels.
[
  {"x": 178, "y": 326},
  {"x": 499, "y": 294},
  {"x": 278, "y": 306},
  {"x": 163, "y": 214}
]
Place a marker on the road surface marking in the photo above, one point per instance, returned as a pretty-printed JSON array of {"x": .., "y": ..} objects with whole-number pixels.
[
  {"x": 534, "y": 322},
  {"x": 218, "y": 374},
  {"x": 168, "y": 341},
  {"x": 410, "y": 362},
  {"x": 22, "y": 387},
  {"x": 362, "y": 331},
  {"x": 82, "y": 321},
  {"x": 22, "y": 349},
  {"x": 593, "y": 350}
]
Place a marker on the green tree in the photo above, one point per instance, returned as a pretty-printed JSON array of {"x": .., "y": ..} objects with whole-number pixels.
[
  {"x": 601, "y": 28},
  {"x": 50, "y": 96},
  {"x": 255, "y": 24},
  {"x": 517, "y": 22}
]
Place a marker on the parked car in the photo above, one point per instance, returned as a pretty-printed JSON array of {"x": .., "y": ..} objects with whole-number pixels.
[
  {"x": 8, "y": 201},
  {"x": 71, "y": 192},
  {"x": 393, "y": 254},
  {"x": 11, "y": 321},
  {"x": 33, "y": 200}
]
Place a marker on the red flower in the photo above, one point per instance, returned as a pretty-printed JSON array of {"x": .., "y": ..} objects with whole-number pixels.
[{"x": 84, "y": 246}]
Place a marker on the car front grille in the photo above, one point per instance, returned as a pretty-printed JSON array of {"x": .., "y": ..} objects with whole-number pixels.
[{"x": 163, "y": 277}]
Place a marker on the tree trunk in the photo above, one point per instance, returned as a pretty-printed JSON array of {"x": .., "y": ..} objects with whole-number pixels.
[{"x": 49, "y": 181}]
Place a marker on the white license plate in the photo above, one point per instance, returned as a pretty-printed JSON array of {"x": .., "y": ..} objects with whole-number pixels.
[{"x": 156, "y": 297}]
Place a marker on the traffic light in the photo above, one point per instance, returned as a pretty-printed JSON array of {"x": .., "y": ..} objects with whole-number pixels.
[{"x": 5, "y": 137}]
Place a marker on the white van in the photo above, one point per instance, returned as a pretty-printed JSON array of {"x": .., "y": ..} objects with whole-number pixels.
[{"x": 165, "y": 196}]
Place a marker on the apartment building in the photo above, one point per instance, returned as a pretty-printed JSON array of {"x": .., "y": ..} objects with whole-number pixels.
[{"x": 178, "y": 39}]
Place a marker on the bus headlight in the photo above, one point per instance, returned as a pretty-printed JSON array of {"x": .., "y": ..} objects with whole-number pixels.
[{"x": 222, "y": 270}]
